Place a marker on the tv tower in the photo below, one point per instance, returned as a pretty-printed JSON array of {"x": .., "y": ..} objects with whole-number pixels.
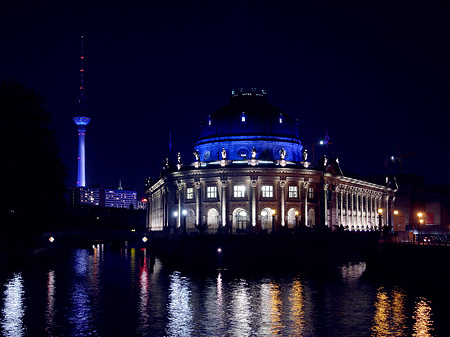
[{"x": 81, "y": 121}]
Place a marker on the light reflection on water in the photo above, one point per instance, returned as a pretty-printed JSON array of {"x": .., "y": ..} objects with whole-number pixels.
[
  {"x": 423, "y": 324},
  {"x": 50, "y": 310},
  {"x": 149, "y": 300},
  {"x": 13, "y": 307},
  {"x": 179, "y": 309}
]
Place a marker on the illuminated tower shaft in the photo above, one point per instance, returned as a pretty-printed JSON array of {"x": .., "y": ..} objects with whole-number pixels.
[{"x": 81, "y": 122}]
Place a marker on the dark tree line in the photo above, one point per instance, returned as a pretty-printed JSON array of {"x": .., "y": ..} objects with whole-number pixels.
[{"x": 33, "y": 183}]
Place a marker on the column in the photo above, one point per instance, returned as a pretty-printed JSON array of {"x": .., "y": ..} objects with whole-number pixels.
[
  {"x": 325, "y": 204},
  {"x": 282, "y": 208},
  {"x": 197, "y": 203},
  {"x": 180, "y": 190},
  {"x": 305, "y": 186},
  {"x": 224, "y": 202},
  {"x": 347, "y": 217},
  {"x": 254, "y": 183},
  {"x": 357, "y": 196}
]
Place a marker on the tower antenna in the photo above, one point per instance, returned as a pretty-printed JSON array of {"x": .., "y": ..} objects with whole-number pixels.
[{"x": 81, "y": 120}]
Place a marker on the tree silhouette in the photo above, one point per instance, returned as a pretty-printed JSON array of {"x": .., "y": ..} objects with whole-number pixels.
[{"x": 34, "y": 180}]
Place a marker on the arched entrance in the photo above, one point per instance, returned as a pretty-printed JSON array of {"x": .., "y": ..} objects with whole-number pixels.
[
  {"x": 291, "y": 219},
  {"x": 190, "y": 220},
  {"x": 239, "y": 220},
  {"x": 311, "y": 218},
  {"x": 266, "y": 219},
  {"x": 212, "y": 220}
]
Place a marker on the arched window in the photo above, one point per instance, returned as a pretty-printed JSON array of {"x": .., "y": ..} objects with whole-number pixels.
[{"x": 240, "y": 219}]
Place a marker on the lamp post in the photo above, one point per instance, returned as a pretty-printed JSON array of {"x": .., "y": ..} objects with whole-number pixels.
[
  {"x": 380, "y": 218},
  {"x": 421, "y": 216},
  {"x": 296, "y": 218},
  {"x": 183, "y": 213}
]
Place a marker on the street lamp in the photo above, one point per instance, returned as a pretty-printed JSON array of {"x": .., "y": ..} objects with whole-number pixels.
[
  {"x": 421, "y": 220},
  {"x": 380, "y": 216},
  {"x": 183, "y": 214},
  {"x": 296, "y": 218}
]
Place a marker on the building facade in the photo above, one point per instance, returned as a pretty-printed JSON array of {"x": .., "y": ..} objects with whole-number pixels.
[{"x": 251, "y": 174}]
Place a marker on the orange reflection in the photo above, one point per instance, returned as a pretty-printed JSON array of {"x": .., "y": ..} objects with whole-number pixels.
[
  {"x": 381, "y": 319},
  {"x": 276, "y": 309},
  {"x": 423, "y": 324},
  {"x": 297, "y": 305}
]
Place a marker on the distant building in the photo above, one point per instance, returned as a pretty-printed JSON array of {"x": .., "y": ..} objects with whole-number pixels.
[
  {"x": 120, "y": 198},
  {"x": 251, "y": 174},
  {"x": 99, "y": 196}
]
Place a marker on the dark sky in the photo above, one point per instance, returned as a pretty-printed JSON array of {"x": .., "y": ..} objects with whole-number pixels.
[{"x": 375, "y": 75}]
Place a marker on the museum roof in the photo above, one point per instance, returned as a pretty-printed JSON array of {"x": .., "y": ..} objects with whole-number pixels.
[{"x": 248, "y": 113}]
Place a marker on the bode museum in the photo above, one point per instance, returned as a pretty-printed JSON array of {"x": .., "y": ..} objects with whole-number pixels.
[{"x": 251, "y": 174}]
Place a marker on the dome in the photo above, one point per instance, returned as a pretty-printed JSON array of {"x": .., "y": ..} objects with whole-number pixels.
[{"x": 249, "y": 121}]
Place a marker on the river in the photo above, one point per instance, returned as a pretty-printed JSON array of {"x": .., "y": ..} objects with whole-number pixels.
[{"x": 98, "y": 291}]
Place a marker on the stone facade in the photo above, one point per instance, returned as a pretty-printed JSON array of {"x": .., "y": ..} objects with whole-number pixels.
[{"x": 271, "y": 187}]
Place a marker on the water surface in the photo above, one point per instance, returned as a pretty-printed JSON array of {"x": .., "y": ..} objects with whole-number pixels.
[{"x": 100, "y": 292}]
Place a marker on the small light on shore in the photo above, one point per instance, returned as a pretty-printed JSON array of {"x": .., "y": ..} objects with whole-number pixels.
[
  {"x": 51, "y": 239},
  {"x": 144, "y": 239},
  {"x": 219, "y": 250}
]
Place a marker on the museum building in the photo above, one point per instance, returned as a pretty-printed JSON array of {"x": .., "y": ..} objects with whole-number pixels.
[{"x": 251, "y": 174}]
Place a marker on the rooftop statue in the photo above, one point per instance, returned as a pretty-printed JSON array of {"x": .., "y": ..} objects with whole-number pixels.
[
  {"x": 197, "y": 155},
  {"x": 224, "y": 154},
  {"x": 282, "y": 153}
]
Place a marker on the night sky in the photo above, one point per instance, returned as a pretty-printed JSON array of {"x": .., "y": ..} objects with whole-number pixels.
[{"x": 375, "y": 76}]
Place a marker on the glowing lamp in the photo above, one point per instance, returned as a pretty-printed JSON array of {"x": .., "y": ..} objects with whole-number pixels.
[
  {"x": 273, "y": 212},
  {"x": 396, "y": 212},
  {"x": 51, "y": 239},
  {"x": 175, "y": 214},
  {"x": 420, "y": 214},
  {"x": 219, "y": 250},
  {"x": 296, "y": 213},
  {"x": 380, "y": 211},
  {"x": 144, "y": 239},
  {"x": 184, "y": 212}
]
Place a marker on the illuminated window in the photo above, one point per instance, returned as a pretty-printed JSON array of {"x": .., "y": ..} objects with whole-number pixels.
[
  {"x": 293, "y": 192},
  {"x": 310, "y": 193},
  {"x": 243, "y": 117},
  {"x": 267, "y": 191},
  {"x": 211, "y": 192},
  {"x": 190, "y": 193},
  {"x": 239, "y": 191}
]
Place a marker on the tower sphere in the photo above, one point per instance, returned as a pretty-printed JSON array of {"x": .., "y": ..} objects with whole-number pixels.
[
  {"x": 248, "y": 121},
  {"x": 81, "y": 120}
]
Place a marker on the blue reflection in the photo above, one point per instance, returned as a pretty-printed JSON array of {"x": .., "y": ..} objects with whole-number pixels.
[
  {"x": 241, "y": 310},
  {"x": 14, "y": 307},
  {"x": 50, "y": 310},
  {"x": 80, "y": 316},
  {"x": 180, "y": 311}
]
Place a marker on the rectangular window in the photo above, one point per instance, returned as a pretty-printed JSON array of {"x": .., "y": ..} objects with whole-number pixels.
[
  {"x": 293, "y": 192},
  {"x": 239, "y": 191},
  {"x": 267, "y": 191},
  {"x": 190, "y": 193},
  {"x": 310, "y": 193},
  {"x": 211, "y": 192}
]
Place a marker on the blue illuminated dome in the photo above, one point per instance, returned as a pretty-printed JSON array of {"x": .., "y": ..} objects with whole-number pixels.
[{"x": 249, "y": 121}]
